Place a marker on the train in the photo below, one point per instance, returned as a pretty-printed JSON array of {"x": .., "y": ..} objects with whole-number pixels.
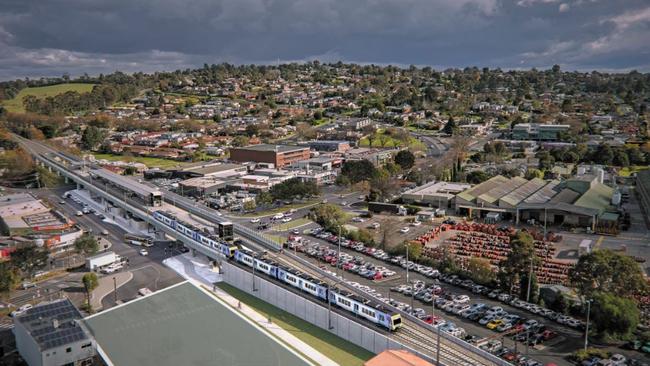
[
  {"x": 371, "y": 311},
  {"x": 209, "y": 240}
]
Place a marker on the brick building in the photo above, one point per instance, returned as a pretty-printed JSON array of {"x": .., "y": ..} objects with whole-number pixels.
[{"x": 278, "y": 155}]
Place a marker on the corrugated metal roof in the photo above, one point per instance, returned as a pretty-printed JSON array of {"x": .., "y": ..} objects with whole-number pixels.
[{"x": 524, "y": 191}]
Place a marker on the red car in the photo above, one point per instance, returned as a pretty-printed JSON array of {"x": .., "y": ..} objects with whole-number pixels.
[
  {"x": 433, "y": 319},
  {"x": 548, "y": 334},
  {"x": 511, "y": 356},
  {"x": 378, "y": 276}
]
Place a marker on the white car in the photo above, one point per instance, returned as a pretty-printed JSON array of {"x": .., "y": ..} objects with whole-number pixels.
[
  {"x": 416, "y": 223},
  {"x": 255, "y": 220},
  {"x": 617, "y": 359},
  {"x": 21, "y": 310},
  {"x": 376, "y": 225},
  {"x": 404, "y": 230},
  {"x": 104, "y": 232},
  {"x": 278, "y": 216},
  {"x": 79, "y": 213},
  {"x": 286, "y": 219},
  {"x": 144, "y": 252}
]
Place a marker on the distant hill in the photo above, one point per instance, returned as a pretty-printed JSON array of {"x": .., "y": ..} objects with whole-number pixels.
[{"x": 16, "y": 104}]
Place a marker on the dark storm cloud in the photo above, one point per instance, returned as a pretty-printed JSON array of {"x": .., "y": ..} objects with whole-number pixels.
[{"x": 55, "y": 36}]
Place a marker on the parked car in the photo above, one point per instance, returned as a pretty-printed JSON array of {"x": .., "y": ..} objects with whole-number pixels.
[{"x": 404, "y": 230}]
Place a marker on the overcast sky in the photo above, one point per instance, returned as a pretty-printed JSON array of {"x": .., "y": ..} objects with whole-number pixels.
[{"x": 50, "y": 37}]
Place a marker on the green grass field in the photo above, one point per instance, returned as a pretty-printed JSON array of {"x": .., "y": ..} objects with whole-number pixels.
[
  {"x": 150, "y": 162},
  {"x": 336, "y": 348},
  {"x": 291, "y": 224},
  {"x": 16, "y": 104},
  {"x": 390, "y": 142},
  {"x": 283, "y": 208}
]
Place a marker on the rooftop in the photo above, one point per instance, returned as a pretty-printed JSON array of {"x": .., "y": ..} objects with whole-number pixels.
[
  {"x": 276, "y": 148},
  {"x": 125, "y": 182},
  {"x": 53, "y": 325},
  {"x": 442, "y": 188},
  {"x": 393, "y": 357},
  {"x": 207, "y": 169},
  {"x": 182, "y": 325}
]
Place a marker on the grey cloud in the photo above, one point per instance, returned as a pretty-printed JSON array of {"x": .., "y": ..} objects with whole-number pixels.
[{"x": 76, "y": 36}]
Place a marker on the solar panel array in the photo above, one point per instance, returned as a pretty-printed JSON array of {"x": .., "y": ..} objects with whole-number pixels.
[
  {"x": 61, "y": 337},
  {"x": 39, "y": 322}
]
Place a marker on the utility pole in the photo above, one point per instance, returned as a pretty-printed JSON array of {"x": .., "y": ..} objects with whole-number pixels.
[
  {"x": 587, "y": 325},
  {"x": 329, "y": 308},
  {"x": 530, "y": 277},
  {"x": 115, "y": 288},
  {"x": 254, "y": 289},
  {"x": 438, "y": 348},
  {"x": 338, "y": 258}
]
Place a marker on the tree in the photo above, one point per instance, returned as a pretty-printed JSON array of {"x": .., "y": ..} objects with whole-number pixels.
[
  {"x": 92, "y": 137},
  {"x": 329, "y": 216},
  {"x": 607, "y": 271},
  {"x": 264, "y": 198},
  {"x": 480, "y": 271},
  {"x": 519, "y": 259},
  {"x": 358, "y": 170},
  {"x": 450, "y": 128},
  {"x": 294, "y": 188},
  {"x": 240, "y": 141},
  {"x": 532, "y": 173},
  {"x": 8, "y": 277},
  {"x": 387, "y": 233},
  {"x": 477, "y": 176},
  {"x": 613, "y": 315},
  {"x": 90, "y": 282},
  {"x": 29, "y": 259},
  {"x": 249, "y": 205},
  {"x": 86, "y": 244},
  {"x": 405, "y": 159}
]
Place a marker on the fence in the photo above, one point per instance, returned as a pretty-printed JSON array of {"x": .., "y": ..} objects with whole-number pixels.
[{"x": 312, "y": 312}]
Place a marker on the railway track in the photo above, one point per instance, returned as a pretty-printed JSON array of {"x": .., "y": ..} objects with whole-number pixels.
[{"x": 411, "y": 334}]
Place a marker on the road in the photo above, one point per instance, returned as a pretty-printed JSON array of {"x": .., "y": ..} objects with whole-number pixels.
[{"x": 148, "y": 271}]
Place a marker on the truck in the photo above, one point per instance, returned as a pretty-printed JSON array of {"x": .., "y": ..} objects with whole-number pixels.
[
  {"x": 100, "y": 260},
  {"x": 379, "y": 207}
]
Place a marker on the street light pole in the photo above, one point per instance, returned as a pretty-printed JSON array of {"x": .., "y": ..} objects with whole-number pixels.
[
  {"x": 530, "y": 277},
  {"x": 338, "y": 258},
  {"x": 587, "y": 326}
]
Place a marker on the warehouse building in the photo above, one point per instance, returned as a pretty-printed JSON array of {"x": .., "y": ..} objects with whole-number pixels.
[
  {"x": 184, "y": 325},
  {"x": 274, "y": 156},
  {"x": 581, "y": 202},
  {"x": 435, "y": 194}
]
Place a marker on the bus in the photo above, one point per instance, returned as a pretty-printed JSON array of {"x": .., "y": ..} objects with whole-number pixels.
[{"x": 135, "y": 239}]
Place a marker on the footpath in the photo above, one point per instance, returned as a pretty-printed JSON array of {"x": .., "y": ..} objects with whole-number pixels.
[
  {"x": 106, "y": 287},
  {"x": 200, "y": 272}
]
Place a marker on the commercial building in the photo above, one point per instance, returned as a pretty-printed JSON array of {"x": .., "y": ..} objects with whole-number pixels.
[
  {"x": 583, "y": 201},
  {"x": 51, "y": 334},
  {"x": 435, "y": 194},
  {"x": 277, "y": 156},
  {"x": 23, "y": 215},
  {"x": 329, "y": 145},
  {"x": 377, "y": 157},
  {"x": 201, "y": 186},
  {"x": 184, "y": 325},
  {"x": 536, "y": 131}
]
